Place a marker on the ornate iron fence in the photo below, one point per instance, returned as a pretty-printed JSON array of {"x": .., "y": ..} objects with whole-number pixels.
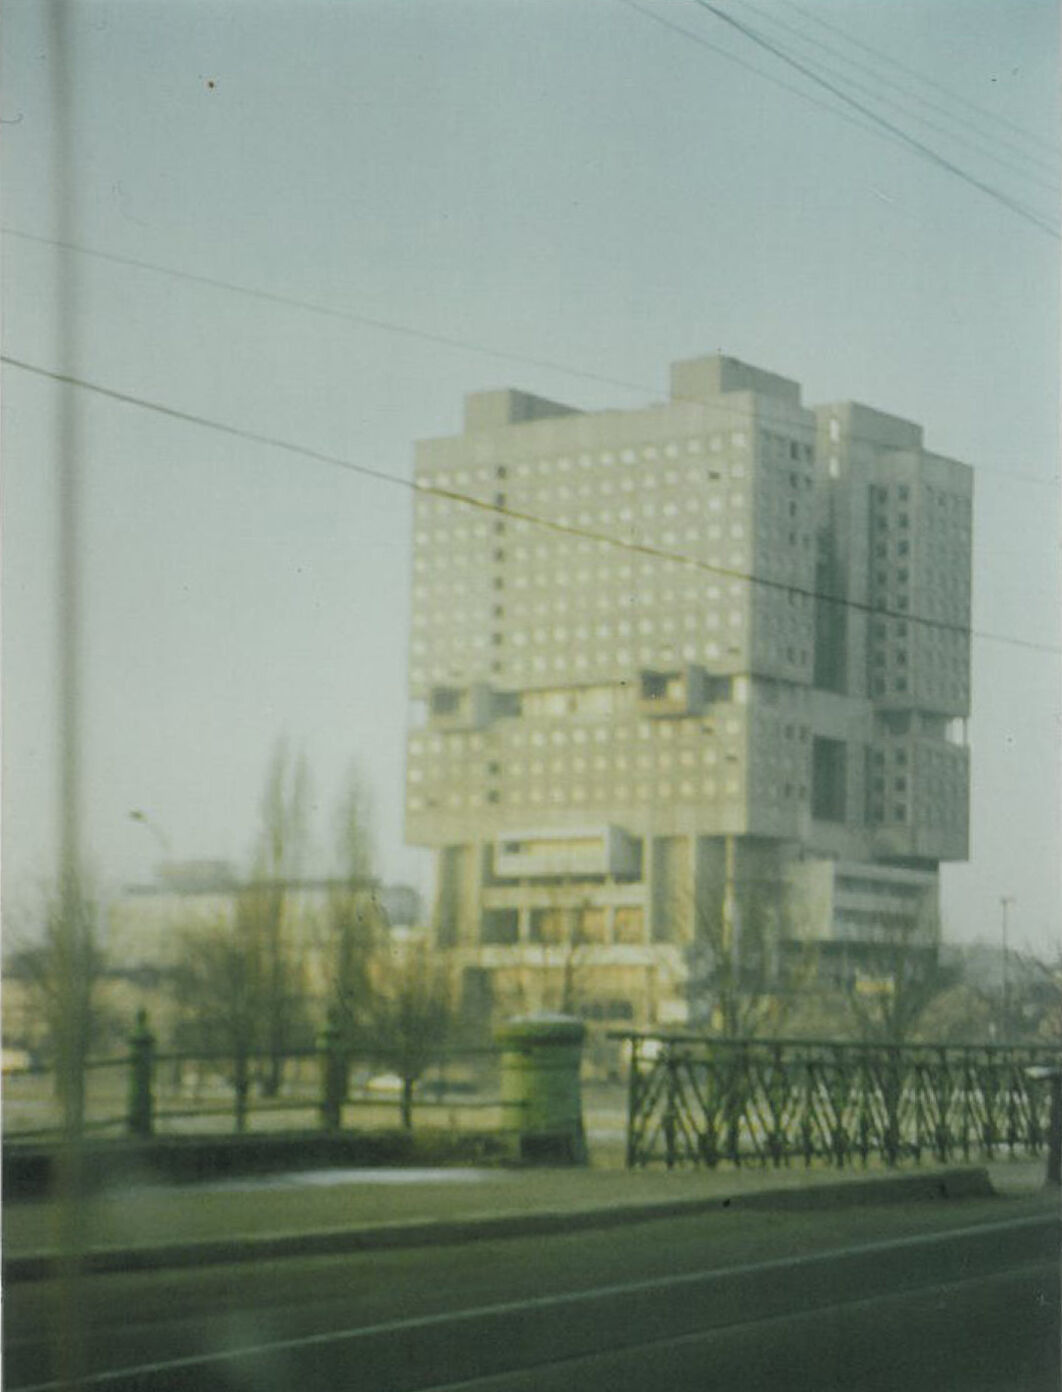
[{"x": 699, "y": 1101}]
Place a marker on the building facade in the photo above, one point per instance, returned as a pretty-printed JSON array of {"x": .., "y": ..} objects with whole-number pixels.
[
  {"x": 681, "y": 665},
  {"x": 145, "y": 925}
]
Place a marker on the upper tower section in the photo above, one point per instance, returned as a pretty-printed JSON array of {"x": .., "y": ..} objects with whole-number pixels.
[
  {"x": 487, "y": 410},
  {"x": 702, "y": 379},
  {"x": 895, "y": 539},
  {"x": 557, "y": 548}
]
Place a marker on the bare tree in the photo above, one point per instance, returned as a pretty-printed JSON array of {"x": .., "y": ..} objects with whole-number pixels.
[
  {"x": 278, "y": 861},
  {"x": 735, "y": 966},
  {"x": 61, "y": 967},
  {"x": 554, "y": 971},
  {"x": 220, "y": 986},
  {"x": 891, "y": 1000},
  {"x": 962, "y": 1013},
  {"x": 1031, "y": 1009},
  {"x": 412, "y": 1018},
  {"x": 973, "y": 1006},
  {"x": 355, "y": 922},
  {"x": 356, "y": 932},
  {"x": 355, "y": 850}
]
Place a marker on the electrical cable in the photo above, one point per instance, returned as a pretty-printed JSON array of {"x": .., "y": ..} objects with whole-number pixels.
[
  {"x": 485, "y": 505},
  {"x": 882, "y": 56},
  {"x": 740, "y": 62},
  {"x": 719, "y": 408},
  {"x": 976, "y": 138},
  {"x": 919, "y": 147}
]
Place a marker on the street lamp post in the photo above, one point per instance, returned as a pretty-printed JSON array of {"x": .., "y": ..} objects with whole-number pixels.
[
  {"x": 1005, "y": 902},
  {"x": 149, "y": 824}
]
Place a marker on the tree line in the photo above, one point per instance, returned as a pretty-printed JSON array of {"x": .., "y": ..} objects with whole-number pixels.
[
  {"x": 259, "y": 981},
  {"x": 752, "y": 974}
]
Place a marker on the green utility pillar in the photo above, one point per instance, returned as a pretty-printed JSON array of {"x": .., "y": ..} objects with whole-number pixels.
[
  {"x": 1041, "y": 1073},
  {"x": 541, "y": 1057}
]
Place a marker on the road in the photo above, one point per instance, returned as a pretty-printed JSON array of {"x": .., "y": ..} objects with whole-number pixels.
[{"x": 960, "y": 1295}]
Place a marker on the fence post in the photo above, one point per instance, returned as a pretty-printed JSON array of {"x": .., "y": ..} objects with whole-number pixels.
[
  {"x": 671, "y": 1109},
  {"x": 333, "y": 1074},
  {"x": 739, "y": 1086},
  {"x": 140, "y": 1119},
  {"x": 893, "y": 1086},
  {"x": 241, "y": 1087},
  {"x": 943, "y": 1105},
  {"x": 633, "y": 1093},
  {"x": 1054, "y": 1132}
]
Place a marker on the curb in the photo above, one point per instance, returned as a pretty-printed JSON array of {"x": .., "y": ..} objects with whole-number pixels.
[{"x": 964, "y": 1183}]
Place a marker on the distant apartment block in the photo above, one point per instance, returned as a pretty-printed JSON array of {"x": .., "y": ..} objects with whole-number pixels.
[
  {"x": 146, "y": 924},
  {"x": 674, "y": 656}
]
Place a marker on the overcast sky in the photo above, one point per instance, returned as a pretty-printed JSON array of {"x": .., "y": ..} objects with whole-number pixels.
[{"x": 571, "y": 183}]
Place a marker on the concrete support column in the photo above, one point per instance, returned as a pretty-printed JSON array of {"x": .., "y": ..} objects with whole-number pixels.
[
  {"x": 471, "y": 893},
  {"x": 649, "y": 881},
  {"x": 688, "y": 900},
  {"x": 523, "y": 923},
  {"x": 731, "y": 924}
]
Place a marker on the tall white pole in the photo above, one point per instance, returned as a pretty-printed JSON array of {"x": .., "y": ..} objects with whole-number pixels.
[
  {"x": 1005, "y": 902},
  {"x": 72, "y": 928}
]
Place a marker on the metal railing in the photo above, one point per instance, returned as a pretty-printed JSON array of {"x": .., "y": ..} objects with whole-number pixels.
[
  {"x": 700, "y": 1101},
  {"x": 146, "y": 1092}
]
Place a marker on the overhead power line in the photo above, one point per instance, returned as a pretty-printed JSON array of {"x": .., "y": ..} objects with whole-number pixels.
[
  {"x": 513, "y": 514},
  {"x": 464, "y": 345},
  {"x": 975, "y": 139},
  {"x": 880, "y": 55},
  {"x": 977, "y": 133},
  {"x": 873, "y": 125},
  {"x": 739, "y": 62},
  {"x": 919, "y": 147}
]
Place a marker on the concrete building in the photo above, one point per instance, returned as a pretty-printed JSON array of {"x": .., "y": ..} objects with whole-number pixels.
[
  {"x": 145, "y": 924},
  {"x": 670, "y": 659}
]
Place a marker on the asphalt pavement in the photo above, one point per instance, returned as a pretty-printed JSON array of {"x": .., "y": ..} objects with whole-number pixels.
[
  {"x": 150, "y": 1224},
  {"x": 803, "y": 1289}
]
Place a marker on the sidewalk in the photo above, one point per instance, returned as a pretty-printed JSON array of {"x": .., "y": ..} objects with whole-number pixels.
[{"x": 148, "y": 1226}]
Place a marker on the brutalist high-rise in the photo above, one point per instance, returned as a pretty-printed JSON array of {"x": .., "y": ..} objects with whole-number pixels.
[{"x": 682, "y": 668}]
